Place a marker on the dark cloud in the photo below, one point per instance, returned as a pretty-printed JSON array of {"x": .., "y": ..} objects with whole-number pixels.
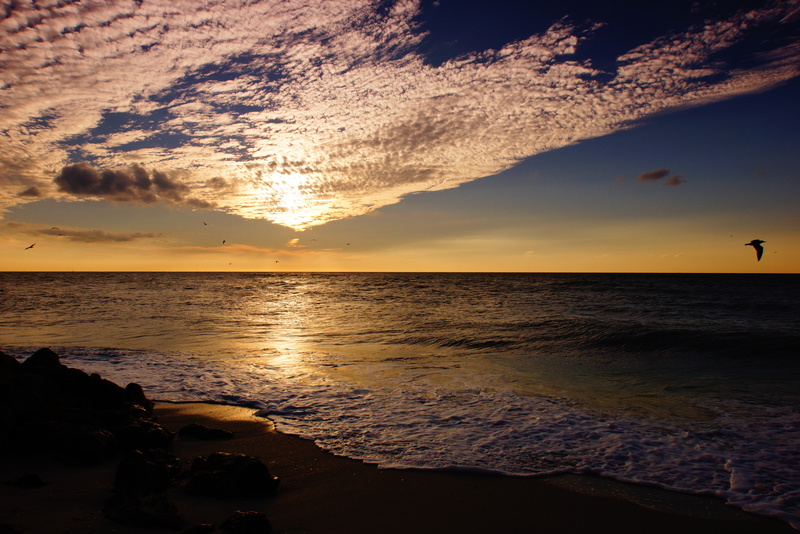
[
  {"x": 32, "y": 191},
  {"x": 675, "y": 180},
  {"x": 127, "y": 184},
  {"x": 217, "y": 183},
  {"x": 652, "y": 176}
]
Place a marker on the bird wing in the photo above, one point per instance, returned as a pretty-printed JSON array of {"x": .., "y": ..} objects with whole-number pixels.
[{"x": 759, "y": 250}]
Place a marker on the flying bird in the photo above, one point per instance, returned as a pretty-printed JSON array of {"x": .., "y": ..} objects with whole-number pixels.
[
  {"x": 223, "y": 241},
  {"x": 26, "y": 248},
  {"x": 756, "y": 244}
]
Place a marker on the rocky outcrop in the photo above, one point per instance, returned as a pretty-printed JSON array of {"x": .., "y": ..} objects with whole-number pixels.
[
  {"x": 224, "y": 475},
  {"x": 51, "y": 409},
  {"x": 81, "y": 418}
]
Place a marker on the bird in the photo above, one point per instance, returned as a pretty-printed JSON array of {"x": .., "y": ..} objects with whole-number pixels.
[
  {"x": 223, "y": 241},
  {"x": 205, "y": 223},
  {"x": 756, "y": 244},
  {"x": 26, "y": 248}
]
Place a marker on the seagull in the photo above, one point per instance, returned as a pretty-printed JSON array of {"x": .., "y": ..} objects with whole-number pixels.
[
  {"x": 223, "y": 241},
  {"x": 756, "y": 244},
  {"x": 26, "y": 248}
]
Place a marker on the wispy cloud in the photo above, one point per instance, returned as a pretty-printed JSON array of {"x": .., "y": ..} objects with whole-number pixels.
[
  {"x": 676, "y": 180},
  {"x": 659, "y": 174},
  {"x": 303, "y": 112},
  {"x": 80, "y": 235},
  {"x": 652, "y": 176}
]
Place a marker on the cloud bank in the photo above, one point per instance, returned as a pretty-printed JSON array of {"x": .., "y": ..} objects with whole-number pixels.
[{"x": 307, "y": 111}]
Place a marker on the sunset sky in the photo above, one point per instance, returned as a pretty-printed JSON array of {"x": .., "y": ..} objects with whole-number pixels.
[{"x": 407, "y": 135}]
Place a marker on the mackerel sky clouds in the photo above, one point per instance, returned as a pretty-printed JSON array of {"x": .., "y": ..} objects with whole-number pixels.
[{"x": 302, "y": 113}]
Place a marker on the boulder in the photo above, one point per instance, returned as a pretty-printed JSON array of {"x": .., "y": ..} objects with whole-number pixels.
[
  {"x": 8, "y": 362},
  {"x": 203, "y": 528},
  {"x": 225, "y": 475},
  {"x": 135, "y": 394},
  {"x": 26, "y": 481},
  {"x": 84, "y": 446},
  {"x": 146, "y": 472},
  {"x": 148, "y": 511},
  {"x": 247, "y": 523},
  {"x": 44, "y": 361},
  {"x": 141, "y": 434}
]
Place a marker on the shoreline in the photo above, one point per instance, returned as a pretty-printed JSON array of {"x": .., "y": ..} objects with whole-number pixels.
[{"x": 323, "y": 493}]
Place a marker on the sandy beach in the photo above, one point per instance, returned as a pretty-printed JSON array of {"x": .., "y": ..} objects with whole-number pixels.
[{"x": 322, "y": 493}]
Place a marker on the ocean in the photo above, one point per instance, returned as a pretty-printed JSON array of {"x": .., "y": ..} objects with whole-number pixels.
[{"x": 686, "y": 382}]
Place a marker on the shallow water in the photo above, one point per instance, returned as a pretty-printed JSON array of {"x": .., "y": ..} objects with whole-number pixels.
[{"x": 683, "y": 381}]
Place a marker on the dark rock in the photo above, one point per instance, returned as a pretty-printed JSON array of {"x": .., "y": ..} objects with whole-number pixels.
[
  {"x": 146, "y": 472},
  {"x": 5, "y": 528},
  {"x": 247, "y": 523},
  {"x": 205, "y": 528},
  {"x": 149, "y": 511},
  {"x": 141, "y": 434},
  {"x": 193, "y": 430},
  {"x": 48, "y": 407},
  {"x": 44, "y": 361},
  {"x": 8, "y": 362},
  {"x": 224, "y": 475},
  {"x": 26, "y": 481},
  {"x": 85, "y": 446},
  {"x": 102, "y": 394},
  {"x": 135, "y": 394}
]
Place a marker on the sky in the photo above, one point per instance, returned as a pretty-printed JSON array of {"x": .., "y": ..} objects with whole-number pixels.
[{"x": 399, "y": 135}]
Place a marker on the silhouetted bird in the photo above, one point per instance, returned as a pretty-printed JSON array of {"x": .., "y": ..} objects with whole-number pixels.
[
  {"x": 26, "y": 248},
  {"x": 756, "y": 244},
  {"x": 223, "y": 241}
]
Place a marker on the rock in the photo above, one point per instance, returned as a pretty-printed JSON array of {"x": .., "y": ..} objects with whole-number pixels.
[
  {"x": 150, "y": 511},
  {"x": 146, "y": 472},
  {"x": 6, "y": 528},
  {"x": 85, "y": 446},
  {"x": 224, "y": 475},
  {"x": 102, "y": 394},
  {"x": 48, "y": 407},
  {"x": 247, "y": 523},
  {"x": 8, "y": 362},
  {"x": 26, "y": 481},
  {"x": 141, "y": 434},
  {"x": 135, "y": 394},
  {"x": 204, "y": 528},
  {"x": 193, "y": 430},
  {"x": 44, "y": 361}
]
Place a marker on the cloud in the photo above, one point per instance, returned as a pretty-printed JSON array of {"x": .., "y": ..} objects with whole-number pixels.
[
  {"x": 675, "y": 180},
  {"x": 128, "y": 184},
  {"x": 658, "y": 174},
  {"x": 652, "y": 176},
  {"x": 32, "y": 191},
  {"x": 308, "y": 111},
  {"x": 79, "y": 235}
]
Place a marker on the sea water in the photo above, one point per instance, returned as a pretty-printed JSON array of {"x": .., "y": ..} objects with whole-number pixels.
[{"x": 687, "y": 382}]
